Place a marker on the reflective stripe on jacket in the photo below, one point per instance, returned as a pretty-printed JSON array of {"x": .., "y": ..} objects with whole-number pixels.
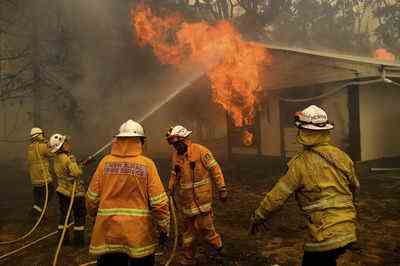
[
  {"x": 38, "y": 162},
  {"x": 126, "y": 194},
  {"x": 324, "y": 190},
  {"x": 67, "y": 170},
  {"x": 194, "y": 185}
]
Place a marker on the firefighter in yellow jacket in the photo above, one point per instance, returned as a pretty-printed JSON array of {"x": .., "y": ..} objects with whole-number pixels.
[
  {"x": 67, "y": 171},
  {"x": 326, "y": 186},
  {"x": 193, "y": 166},
  {"x": 126, "y": 195},
  {"x": 38, "y": 163}
]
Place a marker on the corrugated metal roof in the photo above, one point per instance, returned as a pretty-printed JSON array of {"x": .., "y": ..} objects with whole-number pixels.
[{"x": 295, "y": 67}]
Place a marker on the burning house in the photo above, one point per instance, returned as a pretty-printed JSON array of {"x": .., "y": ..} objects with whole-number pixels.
[{"x": 259, "y": 87}]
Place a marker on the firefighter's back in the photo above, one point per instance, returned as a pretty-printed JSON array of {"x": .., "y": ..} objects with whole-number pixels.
[
  {"x": 123, "y": 220},
  {"x": 326, "y": 196}
]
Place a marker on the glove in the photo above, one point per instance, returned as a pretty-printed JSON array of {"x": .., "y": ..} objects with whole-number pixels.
[
  {"x": 163, "y": 239},
  {"x": 223, "y": 195},
  {"x": 257, "y": 222}
]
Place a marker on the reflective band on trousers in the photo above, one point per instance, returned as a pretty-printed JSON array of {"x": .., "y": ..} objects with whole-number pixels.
[
  {"x": 329, "y": 244},
  {"x": 92, "y": 195},
  {"x": 159, "y": 199},
  {"x": 336, "y": 202},
  {"x": 196, "y": 184},
  {"x": 137, "y": 252},
  {"x": 37, "y": 208},
  {"x": 122, "y": 211},
  {"x": 79, "y": 228},
  {"x": 195, "y": 210}
]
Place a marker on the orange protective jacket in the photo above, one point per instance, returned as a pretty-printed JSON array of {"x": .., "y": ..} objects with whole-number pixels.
[
  {"x": 126, "y": 193},
  {"x": 191, "y": 176},
  {"x": 325, "y": 184}
]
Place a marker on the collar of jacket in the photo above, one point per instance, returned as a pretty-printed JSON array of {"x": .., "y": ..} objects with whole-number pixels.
[
  {"x": 311, "y": 138},
  {"x": 125, "y": 147}
]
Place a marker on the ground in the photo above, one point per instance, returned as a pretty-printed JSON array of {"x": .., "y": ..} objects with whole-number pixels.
[{"x": 281, "y": 245}]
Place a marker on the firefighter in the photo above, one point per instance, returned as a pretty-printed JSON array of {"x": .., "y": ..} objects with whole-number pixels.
[
  {"x": 125, "y": 195},
  {"x": 38, "y": 163},
  {"x": 192, "y": 167},
  {"x": 326, "y": 186},
  {"x": 67, "y": 171}
]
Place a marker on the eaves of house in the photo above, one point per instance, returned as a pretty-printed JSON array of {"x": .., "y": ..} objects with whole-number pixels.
[{"x": 297, "y": 67}]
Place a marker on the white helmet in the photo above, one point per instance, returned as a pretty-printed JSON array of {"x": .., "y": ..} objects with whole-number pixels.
[
  {"x": 313, "y": 118},
  {"x": 178, "y": 132},
  {"x": 56, "y": 141},
  {"x": 131, "y": 129},
  {"x": 36, "y": 131}
]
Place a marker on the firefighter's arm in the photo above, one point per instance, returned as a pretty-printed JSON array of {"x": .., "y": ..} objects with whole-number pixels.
[
  {"x": 44, "y": 150},
  {"x": 74, "y": 169},
  {"x": 274, "y": 199},
  {"x": 213, "y": 167},
  {"x": 158, "y": 199},
  {"x": 94, "y": 191}
]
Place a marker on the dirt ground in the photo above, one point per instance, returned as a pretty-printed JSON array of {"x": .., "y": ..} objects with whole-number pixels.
[{"x": 379, "y": 215}]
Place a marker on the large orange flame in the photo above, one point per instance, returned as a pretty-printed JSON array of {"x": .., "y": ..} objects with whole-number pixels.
[{"x": 234, "y": 66}]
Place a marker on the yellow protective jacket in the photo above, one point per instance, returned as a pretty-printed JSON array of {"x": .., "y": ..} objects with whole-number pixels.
[
  {"x": 67, "y": 170},
  {"x": 38, "y": 163},
  {"x": 127, "y": 194},
  {"x": 194, "y": 185},
  {"x": 324, "y": 182}
]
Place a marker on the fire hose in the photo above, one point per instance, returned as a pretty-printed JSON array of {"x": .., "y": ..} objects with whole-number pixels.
[
  {"x": 28, "y": 245},
  {"x": 65, "y": 227},
  {"x": 33, "y": 229}
]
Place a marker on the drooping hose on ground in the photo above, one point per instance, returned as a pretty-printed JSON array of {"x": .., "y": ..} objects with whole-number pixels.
[
  {"x": 60, "y": 242},
  {"x": 33, "y": 229},
  {"x": 28, "y": 245}
]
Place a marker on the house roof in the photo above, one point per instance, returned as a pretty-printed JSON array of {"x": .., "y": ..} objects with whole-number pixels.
[{"x": 297, "y": 67}]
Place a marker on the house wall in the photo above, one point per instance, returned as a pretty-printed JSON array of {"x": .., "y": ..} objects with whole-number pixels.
[
  {"x": 270, "y": 127},
  {"x": 379, "y": 121}
]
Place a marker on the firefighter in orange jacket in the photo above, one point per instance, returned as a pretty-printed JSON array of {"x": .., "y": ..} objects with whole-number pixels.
[
  {"x": 192, "y": 166},
  {"x": 67, "y": 171},
  {"x": 38, "y": 162},
  {"x": 326, "y": 186},
  {"x": 126, "y": 194}
]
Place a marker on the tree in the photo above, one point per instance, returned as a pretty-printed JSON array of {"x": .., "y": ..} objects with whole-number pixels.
[
  {"x": 34, "y": 46},
  {"x": 388, "y": 31},
  {"x": 342, "y": 25}
]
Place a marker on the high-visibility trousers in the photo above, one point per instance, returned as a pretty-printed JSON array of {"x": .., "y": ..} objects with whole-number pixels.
[
  {"x": 78, "y": 208},
  {"x": 39, "y": 197},
  {"x": 203, "y": 225}
]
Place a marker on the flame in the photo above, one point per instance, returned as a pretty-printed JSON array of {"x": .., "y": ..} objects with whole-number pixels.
[
  {"x": 384, "y": 54},
  {"x": 247, "y": 138},
  {"x": 234, "y": 66}
]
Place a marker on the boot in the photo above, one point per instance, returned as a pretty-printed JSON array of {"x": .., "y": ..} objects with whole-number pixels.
[{"x": 79, "y": 238}]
